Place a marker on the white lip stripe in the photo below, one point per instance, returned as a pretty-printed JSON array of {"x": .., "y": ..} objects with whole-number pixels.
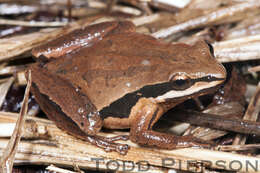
[{"x": 194, "y": 89}]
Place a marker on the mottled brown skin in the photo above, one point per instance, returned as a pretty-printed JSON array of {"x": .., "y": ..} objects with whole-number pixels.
[
  {"x": 87, "y": 37},
  {"x": 80, "y": 90}
]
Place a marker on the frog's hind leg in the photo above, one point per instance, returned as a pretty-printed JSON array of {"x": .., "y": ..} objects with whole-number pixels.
[
  {"x": 48, "y": 82},
  {"x": 143, "y": 116},
  {"x": 106, "y": 143}
]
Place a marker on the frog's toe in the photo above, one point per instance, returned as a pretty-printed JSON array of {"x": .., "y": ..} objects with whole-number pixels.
[
  {"x": 122, "y": 148},
  {"x": 119, "y": 148},
  {"x": 118, "y": 138}
]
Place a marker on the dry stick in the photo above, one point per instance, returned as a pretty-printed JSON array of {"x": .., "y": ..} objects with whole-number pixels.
[
  {"x": 9, "y": 154},
  {"x": 238, "y": 147},
  {"x": 205, "y": 133},
  {"x": 177, "y": 4},
  {"x": 249, "y": 26},
  {"x": 31, "y": 23},
  {"x": 18, "y": 45},
  {"x": 69, "y": 6},
  {"x": 207, "y": 19},
  {"x": 8, "y": 70},
  {"x": 250, "y": 115},
  {"x": 217, "y": 122},
  {"x": 110, "y": 5},
  {"x": 4, "y": 87},
  {"x": 11, "y": 47},
  {"x": 63, "y": 149},
  {"x": 145, "y": 19},
  {"x": 126, "y": 9},
  {"x": 240, "y": 49},
  {"x": 84, "y": 154},
  {"x": 254, "y": 69},
  {"x": 53, "y": 168}
]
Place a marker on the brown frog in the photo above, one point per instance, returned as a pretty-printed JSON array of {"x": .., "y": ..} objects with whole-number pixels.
[{"x": 113, "y": 77}]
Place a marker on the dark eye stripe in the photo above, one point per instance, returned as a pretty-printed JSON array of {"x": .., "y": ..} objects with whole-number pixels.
[
  {"x": 181, "y": 84},
  {"x": 207, "y": 79}
]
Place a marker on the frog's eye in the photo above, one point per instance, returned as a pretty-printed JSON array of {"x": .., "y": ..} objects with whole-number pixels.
[{"x": 181, "y": 82}]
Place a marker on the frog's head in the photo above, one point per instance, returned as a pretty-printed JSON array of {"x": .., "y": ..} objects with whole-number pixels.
[{"x": 196, "y": 71}]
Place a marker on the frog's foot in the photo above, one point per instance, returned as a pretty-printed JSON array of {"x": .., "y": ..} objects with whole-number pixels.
[{"x": 108, "y": 145}]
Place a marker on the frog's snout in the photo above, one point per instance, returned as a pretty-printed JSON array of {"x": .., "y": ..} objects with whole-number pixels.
[{"x": 221, "y": 72}]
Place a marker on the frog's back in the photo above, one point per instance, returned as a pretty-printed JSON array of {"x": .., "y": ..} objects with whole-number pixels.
[{"x": 120, "y": 69}]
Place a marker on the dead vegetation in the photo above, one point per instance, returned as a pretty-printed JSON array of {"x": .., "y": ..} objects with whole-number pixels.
[{"x": 231, "y": 26}]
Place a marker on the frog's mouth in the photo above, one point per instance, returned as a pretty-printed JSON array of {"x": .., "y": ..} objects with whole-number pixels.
[{"x": 160, "y": 92}]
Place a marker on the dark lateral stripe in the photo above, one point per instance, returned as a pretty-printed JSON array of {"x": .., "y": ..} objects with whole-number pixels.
[{"x": 121, "y": 108}]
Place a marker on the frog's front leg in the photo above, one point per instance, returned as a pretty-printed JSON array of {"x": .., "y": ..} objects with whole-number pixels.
[{"x": 143, "y": 116}]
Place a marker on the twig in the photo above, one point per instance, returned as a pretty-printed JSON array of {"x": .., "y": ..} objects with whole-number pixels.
[
  {"x": 4, "y": 87},
  {"x": 17, "y": 45},
  {"x": 21, "y": 79},
  {"x": 9, "y": 154},
  {"x": 12, "y": 69},
  {"x": 125, "y": 9},
  {"x": 254, "y": 69},
  {"x": 66, "y": 150},
  {"x": 16, "y": 9},
  {"x": 248, "y": 26},
  {"x": 215, "y": 16},
  {"x": 238, "y": 147},
  {"x": 217, "y": 122},
  {"x": 145, "y": 19},
  {"x": 53, "y": 168},
  {"x": 207, "y": 133},
  {"x": 251, "y": 114},
  {"x": 240, "y": 49},
  {"x": 6, "y": 129},
  {"x": 178, "y": 4},
  {"x": 31, "y": 23},
  {"x": 14, "y": 46}
]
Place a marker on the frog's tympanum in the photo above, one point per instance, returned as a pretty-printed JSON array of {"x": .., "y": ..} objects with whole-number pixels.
[{"x": 108, "y": 75}]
